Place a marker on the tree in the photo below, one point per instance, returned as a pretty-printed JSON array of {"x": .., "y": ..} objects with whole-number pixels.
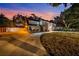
[
  {"x": 35, "y": 17},
  {"x": 57, "y": 4},
  {"x": 58, "y": 21},
  {"x": 4, "y": 21},
  {"x": 70, "y": 16},
  {"x": 19, "y": 19}
]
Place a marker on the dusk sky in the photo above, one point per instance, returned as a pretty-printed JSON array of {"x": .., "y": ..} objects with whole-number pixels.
[{"x": 43, "y": 10}]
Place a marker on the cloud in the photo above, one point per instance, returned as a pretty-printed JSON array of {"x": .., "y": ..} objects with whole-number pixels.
[{"x": 10, "y": 13}]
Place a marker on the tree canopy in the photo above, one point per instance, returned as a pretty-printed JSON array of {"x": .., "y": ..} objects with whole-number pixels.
[
  {"x": 4, "y": 21},
  {"x": 70, "y": 16}
]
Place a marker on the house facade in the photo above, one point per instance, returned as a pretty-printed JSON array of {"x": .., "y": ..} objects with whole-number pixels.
[
  {"x": 34, "y": 24},
  {"x": 40, "y": 25}
]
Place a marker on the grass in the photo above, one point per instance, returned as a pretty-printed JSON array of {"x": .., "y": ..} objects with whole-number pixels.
[{"x": 61, "y": 43}]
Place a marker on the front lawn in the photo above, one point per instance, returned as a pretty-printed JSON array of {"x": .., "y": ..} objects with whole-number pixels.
[{"x": 61, "y": 43}]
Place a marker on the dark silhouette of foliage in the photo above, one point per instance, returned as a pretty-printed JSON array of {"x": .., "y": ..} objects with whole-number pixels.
[
  {"x": 70, "y": 15},
  {"x": 4, "y": 21}
]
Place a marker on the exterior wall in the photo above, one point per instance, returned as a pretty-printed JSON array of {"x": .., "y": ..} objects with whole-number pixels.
[
  {"x": 51, "y": 26},
  {"x": 44, "y": 25},
  {"x": 34, "y": 22},
  {"x": 58, "y": 28},
  {"x": 40, "y": 25},
  {"x": 12, "y": 29},
  {"x": 34, "y": 25},
  {"x": 7, "y": 29},
  {"x": 2, "y": 29},
  {"x": 34, "y": 28}
]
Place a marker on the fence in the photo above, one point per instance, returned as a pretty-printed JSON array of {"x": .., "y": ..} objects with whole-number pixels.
[
  {"x": 3, "y": 29},
  {"x": 63, "y": 29},
  {"x": 11, "y": 29}
]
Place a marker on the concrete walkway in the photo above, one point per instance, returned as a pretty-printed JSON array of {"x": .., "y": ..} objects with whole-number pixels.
[{"x": 24, "y": 45}]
